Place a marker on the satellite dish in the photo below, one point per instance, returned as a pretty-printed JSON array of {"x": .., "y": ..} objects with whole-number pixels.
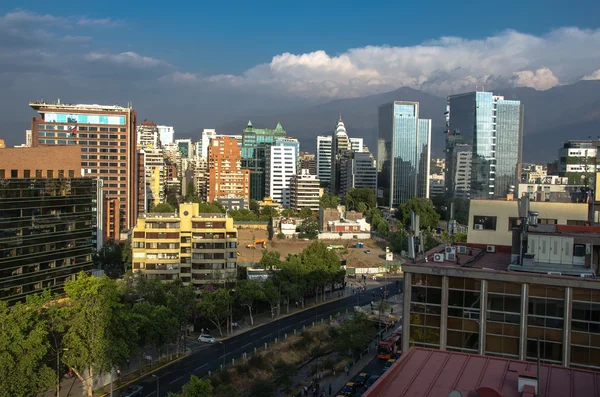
[{"x": 455, "y": 393}]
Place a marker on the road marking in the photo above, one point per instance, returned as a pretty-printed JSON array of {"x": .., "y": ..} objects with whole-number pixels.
[
  {"x": 150, "y": 394},
  {"x": 247, "y": 344},
  {"x": 175, "y": 380},
  {"x": 202, "y": 366}
]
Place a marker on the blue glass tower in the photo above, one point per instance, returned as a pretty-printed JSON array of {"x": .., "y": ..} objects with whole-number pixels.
[{"x": 403, "y": 153}]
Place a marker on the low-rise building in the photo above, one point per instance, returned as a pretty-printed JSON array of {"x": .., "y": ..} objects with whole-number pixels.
[{"x": 200, "y": 249}]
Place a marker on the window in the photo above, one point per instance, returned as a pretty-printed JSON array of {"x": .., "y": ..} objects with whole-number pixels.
[
  {"x": 544, "y": 221},
  {"x": 575, "y": 223},
  {"x": 485, "y": 222},
  {"x": 38, "y": 173},
  {"x": 61, "y": 173},
  {"x": 71, "y": 173},
  {"x": 14, "y": 173},
  {"x": 49, "y": 174},
  {"x": 513, "y": 223},
  {"x": 2, "y": 174}
]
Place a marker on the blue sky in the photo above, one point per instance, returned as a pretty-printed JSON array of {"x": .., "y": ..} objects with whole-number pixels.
[{"x": 198, "y": 64}]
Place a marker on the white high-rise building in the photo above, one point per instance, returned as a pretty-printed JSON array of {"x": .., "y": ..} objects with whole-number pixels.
[
  {"x": 323, "y": 157},
  {"x": 166, "y": 134},
  {"x": 207, "y": 135},
  {"x": 280, "y": 167},
  {"x": 357, "y": 144},
  {"x": 147, "y": 135},
  {"x": 186, "y": 148},
  {"x": 305, "y": 191}
]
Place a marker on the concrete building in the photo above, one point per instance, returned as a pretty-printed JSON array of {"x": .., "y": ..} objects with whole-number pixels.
[
  {"x": 233, "y": 203},
  {"x": 357, "y": 170},
  {"x": 357, "y": 144},
  {"x": 166, "y": 134},
  {"x": 437, "y": 187},
  {"x": 154, "y": 168},
  {"x": 280, "y": 168},
  {"x": 458, "y": 164},
  {"x": 491, "y": 221},
  {"x": 532, "y": 173},
  {"x": 404, "y": 153},
  {"x": 474, "y": 301},
  {"x": 552, "y": 188},
  {"x": 185, "y": 147},
  {"x": 323, "y": 158},
  {"x": 106, "y": 138},
  {"x": 50, "y": 221},
  {"x": 255, "y": 142},
  {"x": 200, "y": 249},
  {"x": 308, "y": 162},
  {"x": 493, "y": 127},
  {"x": 577, "y": 160},
  {"x": 424, "y": 372},
  {"x": 207, "y": 135},
  {"x": 305, "y": 191},
  {"x": 225, "y": 177},
  {"x": 340, "y": 147},
  {"x": 148, "y": 135}
]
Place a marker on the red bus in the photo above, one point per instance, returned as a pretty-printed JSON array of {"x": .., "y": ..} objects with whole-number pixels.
[{"x": 387, "y": 348}]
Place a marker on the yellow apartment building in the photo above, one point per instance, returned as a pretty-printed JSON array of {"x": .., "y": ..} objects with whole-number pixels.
[{"x": 198, "y": 248}]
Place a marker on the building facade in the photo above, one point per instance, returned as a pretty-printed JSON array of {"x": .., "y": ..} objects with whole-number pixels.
[
  {"x": 200, "y": 249},
  {"x": 404, "y": 153},
  {"x": 106, "y": 138},
  {"x": 357, "y": 170},
  {"x": 226, "y": 178},
  {"x": 305, "y": 191},
  {"x": 185, "y": 147},
  {"x": 340, "y": 147},
  {"x": 255, "y": 142},
  {"x": 308, "y": 162},
  {"x": 323, "y": 158},
  {"x": 148, "y": 135},
  {"x": 280, "y": 168},
  {"x": 357, "y": 144},
  {"x": 166, "y": 134},
  {"x": 493, "y": 127},
  {"x": 577, "y": 160}
]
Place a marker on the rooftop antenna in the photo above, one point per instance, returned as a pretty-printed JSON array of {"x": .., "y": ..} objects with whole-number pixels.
[{"x": 340, "y": 115}]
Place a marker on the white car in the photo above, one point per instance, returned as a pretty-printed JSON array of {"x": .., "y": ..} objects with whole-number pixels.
[{"x": 206, "y": 338}]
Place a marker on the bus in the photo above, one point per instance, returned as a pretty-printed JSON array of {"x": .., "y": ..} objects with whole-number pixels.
[
  {"x": 387, "y": 348},
  {"x": 397, "y": 335},
  {"x": 335, "y": 247}
]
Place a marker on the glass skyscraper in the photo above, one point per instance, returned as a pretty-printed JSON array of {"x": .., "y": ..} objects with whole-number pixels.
[
  {"x": 403, "y": 153},
  {"x": 494, "y": 128}
]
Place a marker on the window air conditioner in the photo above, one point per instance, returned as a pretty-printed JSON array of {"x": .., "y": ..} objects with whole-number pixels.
[
  {"x": 491, "y": 248},
  {"x": 478, "y": 227}
]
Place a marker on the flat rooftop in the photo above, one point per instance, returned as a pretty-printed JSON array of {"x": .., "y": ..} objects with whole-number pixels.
[
  {"x": 43, "y": 105},
  {"x": 435, "y": 373},
  {"x": 476, "y": 258}
]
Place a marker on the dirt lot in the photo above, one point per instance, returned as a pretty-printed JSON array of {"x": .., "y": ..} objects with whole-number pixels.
[{"x": 356, "y": 257}]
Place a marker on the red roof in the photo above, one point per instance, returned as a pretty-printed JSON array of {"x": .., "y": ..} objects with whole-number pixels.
[{"x": 435, "y": 373}]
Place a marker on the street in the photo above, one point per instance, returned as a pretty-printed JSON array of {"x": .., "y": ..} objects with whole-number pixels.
[{"x": 209, "y": 357}]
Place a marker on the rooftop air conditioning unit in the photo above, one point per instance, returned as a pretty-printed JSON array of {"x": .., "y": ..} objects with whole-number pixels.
[
  {"x": 450, "y": 250},
  {"x": 491, "y": 248},
  {"x": 461, "y": 249},
  {"x": 478, "y": 227},
  {"x": 587, "y": 275},
  {"x": 438, "y": 257},
  {"x": 451, "y": 257},
  {"x": 554, "y": 273}
]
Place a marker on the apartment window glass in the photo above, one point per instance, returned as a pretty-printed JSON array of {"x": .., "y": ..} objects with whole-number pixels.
[
  {"x": 463, "y": 314},
  {"x": 38, "y": 173},
  {"x": 49, "y": 174},
  {"x": 14, "y": 173},
  {"x": 2, "y": 174},
  {"x": 545, "y": 322},
  {"x": 481, "y": 222},
  {"x": 425, "y": 310},
  {"x": 26, "y": 173},
  {"x": 585, "y": 329},
  {"x": 503, "y": 319}
]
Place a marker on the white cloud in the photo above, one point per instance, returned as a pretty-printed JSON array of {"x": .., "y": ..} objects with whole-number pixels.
[
  {"x": 441, "y": 66},
  {"x": 100, "y": 22},
  {"x": 129, "y": 59},
  {"x": 541, "y": 79},
  {"x": 594, "y": 76},
  {"x": 180, "y": 77},
  {"x": 21, "y": 16}
]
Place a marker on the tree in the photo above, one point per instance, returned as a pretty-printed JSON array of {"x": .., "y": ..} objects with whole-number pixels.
[
  {"x": 197, "y": 387},
  {"x": 329, "y": 200},
  {"x": 172, "y": 196},
  {"x": 288, "y": 213},
  {"x": 211, "y": 208},
  {"x": 358, "y": 196},
  {"x": 305, "y": 213},
  {"x": 309, "y": 229},
  {"x": 181, "y": 301},
  {"x": 23, "y": 348},
  {"x": 249, "y": 292},
  {"x": 461, "y": 211},
  {"x": 270, "y": 230},
  {"x": 284, "y": 373},
  {"x": 254, "y": 206},
  {"x": 190, "y": 195},
  {"x": 262, "y": 388},
  {"x": 98, "y": 325},
  {"x": 270, "y": 260},
  {"x": 429, "y": 218},
  {"x": 272, "y": 295},
  {"x": 215, "y": 307},
  {"x": 280, "y": 236},
  {"x": 269, "y": 212},
  {"x": 126, "y": 255},
  {"x": 226, "y": 390},
  {"x": 165, "y": 208},
  {"x": 460, "y": 237},
  {"x": 353, "y": 335},
  {"x": 319, "y": 267},
  {"x": 110, "y": 259}
]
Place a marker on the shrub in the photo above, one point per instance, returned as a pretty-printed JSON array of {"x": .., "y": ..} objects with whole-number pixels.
[{"x": 280, "y": 236}]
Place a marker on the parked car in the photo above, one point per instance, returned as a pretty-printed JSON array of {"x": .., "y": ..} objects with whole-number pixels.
[
  {"x": 372, "y": 379},
  {"x": 367, "y": 251},
  {"x": 349, "y": 389},
  {"x": 206, "y": 338},
  {"x": 361, "y": 378},
  {"x": 388, "y": 364},
  {"x": 133, "y": 391},
  {"x": 397, "y": 355}
]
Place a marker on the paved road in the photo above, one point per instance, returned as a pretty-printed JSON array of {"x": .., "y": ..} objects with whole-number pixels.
[{"x": 210, "y": 357}]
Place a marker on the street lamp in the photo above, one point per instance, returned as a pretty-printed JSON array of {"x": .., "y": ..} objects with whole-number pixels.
[
  {"x": 157, "y": 384},
  {"x": 58, "y": 371}
]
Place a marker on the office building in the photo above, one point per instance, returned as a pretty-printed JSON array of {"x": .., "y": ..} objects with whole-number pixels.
[
  {"x": 577, "y": 160},
  {"x": 200, "y": 249},
  {"x": 166, "y": 134},
  {"x": 357, "y": 144},
  {"x": 255, "y": 142},
  {"x": 482, "y": 301},
  {"x": 323, "y": 158},
  {"x": 357, "y": 170},
  {"x": 148, "y": 135},
  {"x": 493, "y": 127},
  {"x": 308, "y": 162},
  {"x": 106, "y": 138},
  {"x": 533, "y": 173},
  {"x": 185, "y": 147},
  {"x": 340, "y": 147},
  {"x": 207, "y": 135},
  {"x": 422, "y": 372},
  {"x": 403, "y": 153},
  {"x": 154, "y": 168},
  {"x": 49, "y": 226},
  {"x": 225, "y": 177},
  {"x": 280, "y": 167},
  {"x": 305, "y": 191}
]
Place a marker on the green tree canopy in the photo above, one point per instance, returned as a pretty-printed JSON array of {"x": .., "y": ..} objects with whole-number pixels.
[
  {"x": 429, "y": 218},
  {"x": 269, "y": 212},
  {"x": 249, "y": 292},
  {"x": 309, "y": 229},
  {"x": 305, "y": 213},
  {"x": 197, "y": 387},
  {"x": 215, "y": 307},
  {"x": 288, "y": 213},
  {"x": 329, "y": 200},
  {"x": 211, "y": 208},
  {"x": 110, "y": 258},
  {"x": 358, "y": 196},
  {"x": 353, "y": 335},
  {"x": 164, "y": 208}
]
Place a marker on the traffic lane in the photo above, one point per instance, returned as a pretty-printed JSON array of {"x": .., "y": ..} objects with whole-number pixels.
[{"x": 198, "y": 364}]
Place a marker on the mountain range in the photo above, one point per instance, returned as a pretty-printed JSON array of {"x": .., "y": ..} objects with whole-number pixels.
[{"x": 551, "y": 117}]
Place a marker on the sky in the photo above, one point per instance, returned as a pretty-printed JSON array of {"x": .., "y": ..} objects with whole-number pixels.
[{"x": 198, "y": 64}]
